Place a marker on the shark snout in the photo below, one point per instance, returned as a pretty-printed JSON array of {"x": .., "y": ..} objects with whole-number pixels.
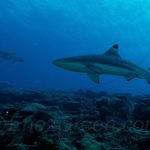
[
  {"x": 56, "y": 63},
  {"x": 59, "y": 62}
]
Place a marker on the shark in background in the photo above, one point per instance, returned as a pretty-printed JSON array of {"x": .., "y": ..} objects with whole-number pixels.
[
  {"x": 10, "y": 57},
  {"x": 110, "y": 63}
]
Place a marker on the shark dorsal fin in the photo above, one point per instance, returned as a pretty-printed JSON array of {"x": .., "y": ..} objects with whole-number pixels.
[{"x": 113, "y": 51}]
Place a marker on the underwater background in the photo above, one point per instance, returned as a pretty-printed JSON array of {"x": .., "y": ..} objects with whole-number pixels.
[
  {"x": 43, "y": 107},
  {"x": 41, "y": 31}
]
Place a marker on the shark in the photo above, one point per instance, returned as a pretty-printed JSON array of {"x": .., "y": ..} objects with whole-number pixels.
[
  {"x": 108, "y": 63},
  {"x": 10, "y": 57}
]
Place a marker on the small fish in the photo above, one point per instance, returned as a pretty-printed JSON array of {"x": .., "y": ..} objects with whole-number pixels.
[
  {"x": 108, "y": 63},
  {"x": 10, "y": 57}
]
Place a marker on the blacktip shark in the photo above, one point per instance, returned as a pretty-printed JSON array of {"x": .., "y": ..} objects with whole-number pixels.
[
  {"x": 10, "y": 57},
  {"x": 109, "y": 63}
]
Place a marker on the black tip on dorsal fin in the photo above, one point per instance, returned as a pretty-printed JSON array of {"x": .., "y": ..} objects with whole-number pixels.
[
  {"x": 116, "y": 46},
  {"x": 113, "y": 51}
]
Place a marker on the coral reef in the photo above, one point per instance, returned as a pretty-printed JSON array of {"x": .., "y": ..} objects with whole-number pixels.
[{"x": 79, "y": 120}]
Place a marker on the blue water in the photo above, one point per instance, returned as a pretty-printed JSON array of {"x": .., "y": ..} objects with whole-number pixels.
[{"x": 43, "y": 30}]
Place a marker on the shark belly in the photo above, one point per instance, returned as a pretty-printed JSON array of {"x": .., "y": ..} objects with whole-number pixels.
[
  {"x": 113, "y": 70},
  {"x": 99, "y": 69}
]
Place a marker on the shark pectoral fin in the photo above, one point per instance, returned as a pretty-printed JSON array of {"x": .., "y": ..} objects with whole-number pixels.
[
  {"x": 94, "y": 77},
  {"x": 93, "y": 69}
]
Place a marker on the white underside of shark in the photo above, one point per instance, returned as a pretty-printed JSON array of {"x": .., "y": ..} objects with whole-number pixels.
[{"x": 108, "y": 63}]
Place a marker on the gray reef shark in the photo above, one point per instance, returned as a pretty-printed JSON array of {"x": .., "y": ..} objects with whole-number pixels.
[
  {"x": 109, "y": 63},
  {"x": 10, "y": 57}
]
